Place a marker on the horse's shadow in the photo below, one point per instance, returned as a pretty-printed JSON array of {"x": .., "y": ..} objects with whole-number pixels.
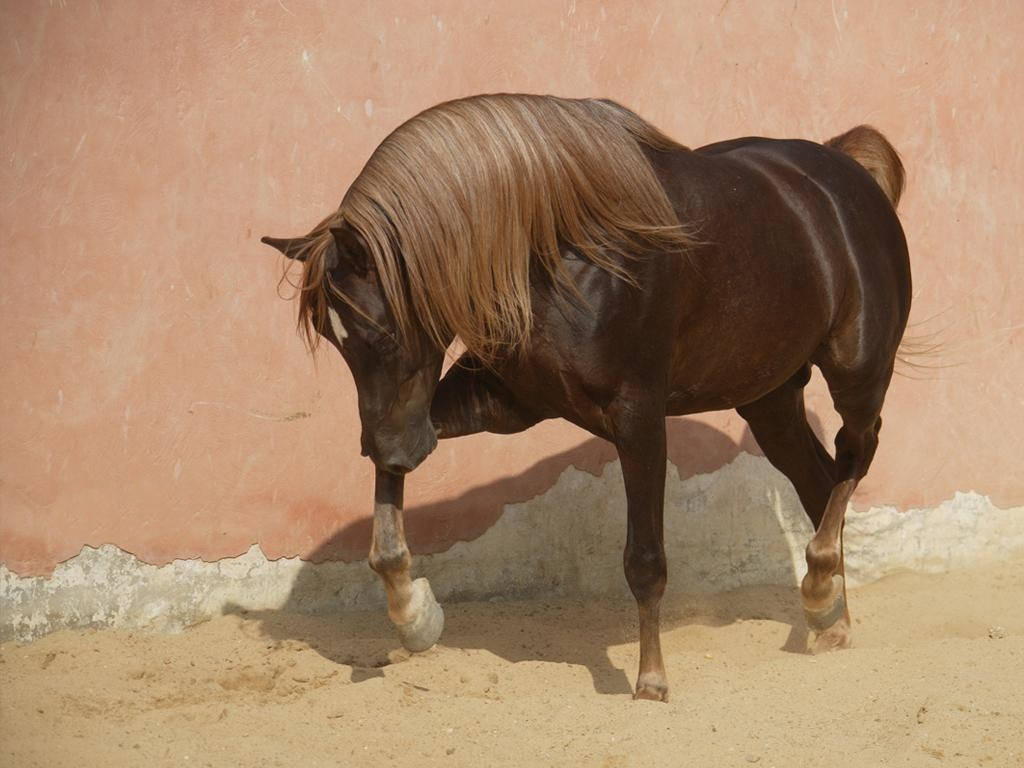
[{"x": 520, "y": 630}]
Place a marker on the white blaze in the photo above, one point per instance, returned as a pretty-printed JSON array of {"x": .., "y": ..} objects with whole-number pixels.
[{"x": 339, "y": 330}]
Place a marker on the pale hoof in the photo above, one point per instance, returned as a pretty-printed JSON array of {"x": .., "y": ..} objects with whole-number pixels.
[
  {"x": 651, "y": 688},
  {"x": 835, "y": 638},
  {"x": 425, "y": 628}
]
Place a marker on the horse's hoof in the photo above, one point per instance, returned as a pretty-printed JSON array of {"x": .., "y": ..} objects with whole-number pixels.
[
  {"x": 651, "y": 688},
  {"x": 822, "y": 612},
  {"x": 835, "y": 638},
  {"x": 424, "y": 630},
  {"x": 827, "y": 620}
]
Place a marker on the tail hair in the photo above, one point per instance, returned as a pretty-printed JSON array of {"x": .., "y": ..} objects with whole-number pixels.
[{"x": 872, "y": 150}]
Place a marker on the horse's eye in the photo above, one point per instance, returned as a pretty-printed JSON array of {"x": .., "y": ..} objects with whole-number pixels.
[{"x": 385, "y": 344}]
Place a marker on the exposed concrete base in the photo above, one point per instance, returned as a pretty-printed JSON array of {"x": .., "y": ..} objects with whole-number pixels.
[{"x": 739, "y": 525}]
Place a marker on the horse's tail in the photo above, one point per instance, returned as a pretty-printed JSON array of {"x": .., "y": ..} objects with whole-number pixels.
[{"x": 872, "y": 150}]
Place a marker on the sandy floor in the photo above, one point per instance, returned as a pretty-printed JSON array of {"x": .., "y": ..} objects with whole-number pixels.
[{"x": 936, "y": 678}]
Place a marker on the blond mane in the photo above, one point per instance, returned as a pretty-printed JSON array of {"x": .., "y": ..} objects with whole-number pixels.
[{"x": 459, "y": 204}]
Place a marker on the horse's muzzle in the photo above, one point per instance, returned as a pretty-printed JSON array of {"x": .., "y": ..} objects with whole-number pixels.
[{"x": 400, "y": 456}]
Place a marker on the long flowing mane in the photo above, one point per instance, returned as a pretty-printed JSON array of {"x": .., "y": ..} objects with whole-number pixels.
[{"x": 461, "y": 203}]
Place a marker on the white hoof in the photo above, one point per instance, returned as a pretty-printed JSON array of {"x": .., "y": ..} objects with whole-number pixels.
[{"x": 423, "y": 631}]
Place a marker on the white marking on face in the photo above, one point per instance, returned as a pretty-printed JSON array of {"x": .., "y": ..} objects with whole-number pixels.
[{"x": 339, "y": 330}]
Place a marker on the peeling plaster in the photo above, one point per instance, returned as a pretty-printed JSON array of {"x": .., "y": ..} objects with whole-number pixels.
[{"x": 739, "y": 525}]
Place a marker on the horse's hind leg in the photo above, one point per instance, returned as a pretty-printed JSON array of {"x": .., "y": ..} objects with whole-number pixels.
[
  {"x": 858, "y": 399},
  {"x": 779, "y": 424}
]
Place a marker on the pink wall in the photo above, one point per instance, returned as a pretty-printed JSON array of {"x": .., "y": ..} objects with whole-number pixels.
[{"x": 154, "y": 395}]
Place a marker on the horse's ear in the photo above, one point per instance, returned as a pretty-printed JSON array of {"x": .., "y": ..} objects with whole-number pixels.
[
  {"x": 351, "y": 247},
  {"x": 299, "y": 248},
  {"x": 292, "y": 247}
]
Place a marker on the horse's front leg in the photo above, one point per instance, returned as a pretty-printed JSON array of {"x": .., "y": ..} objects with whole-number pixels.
[
  {"x": 471, "y": 399},
  {"x": 641, "y": 446},
  {"x": 412, "y": 607},
  {"x": 468, "y": 399}
]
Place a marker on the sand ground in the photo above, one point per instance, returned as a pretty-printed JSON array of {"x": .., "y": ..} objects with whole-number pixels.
[{"x": 936, "y": 678}]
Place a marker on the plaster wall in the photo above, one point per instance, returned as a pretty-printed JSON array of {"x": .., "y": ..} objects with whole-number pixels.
[{"x": 153, "y": 395}]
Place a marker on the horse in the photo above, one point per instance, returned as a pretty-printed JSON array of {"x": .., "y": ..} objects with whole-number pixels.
[{"x": 600, "y": 272}]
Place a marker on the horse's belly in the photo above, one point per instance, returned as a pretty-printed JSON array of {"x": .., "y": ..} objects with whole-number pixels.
[
  {"x": 723, "y": 376},
  {"x": 694, "y": 398}
]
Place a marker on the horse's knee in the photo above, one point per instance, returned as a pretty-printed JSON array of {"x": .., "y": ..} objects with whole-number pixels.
[
  {"x": 389, "y": 557},
  {"x": 469, "y": 400},
  {"x": 646, "y": 572}
]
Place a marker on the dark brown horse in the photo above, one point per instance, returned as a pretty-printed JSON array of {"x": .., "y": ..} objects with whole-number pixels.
[{"x": 599, "y": 272}]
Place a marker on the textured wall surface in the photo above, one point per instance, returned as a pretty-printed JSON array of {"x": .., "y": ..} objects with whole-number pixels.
[{"x": 153, "y": 395}]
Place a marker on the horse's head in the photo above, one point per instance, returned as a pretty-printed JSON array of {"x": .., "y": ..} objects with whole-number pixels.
[{"x": 395, "y": 377}]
